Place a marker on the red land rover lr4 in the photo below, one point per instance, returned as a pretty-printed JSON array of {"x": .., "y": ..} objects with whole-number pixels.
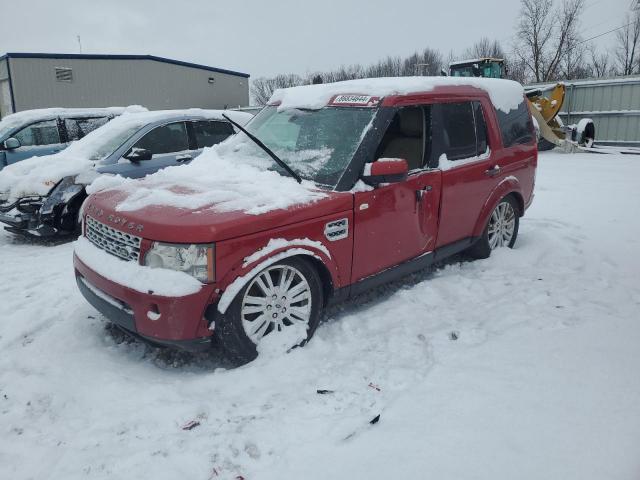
[{"x": 332, "y": 190}]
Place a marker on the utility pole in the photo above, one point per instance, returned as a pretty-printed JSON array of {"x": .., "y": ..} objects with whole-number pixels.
[{"x": 79, "y": 43}]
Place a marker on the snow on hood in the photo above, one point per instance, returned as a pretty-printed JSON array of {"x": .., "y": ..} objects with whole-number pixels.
[
  {"x": 223, "y": 182},
  {"x": 36, "y": 176},
  {"x": 505, "y": 95}
]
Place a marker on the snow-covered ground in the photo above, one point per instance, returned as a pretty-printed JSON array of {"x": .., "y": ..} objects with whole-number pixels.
[{"x": 525, "y": 365}]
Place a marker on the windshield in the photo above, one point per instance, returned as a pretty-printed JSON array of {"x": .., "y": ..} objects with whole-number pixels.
[
  {"x": 317, "y": 144},
  {"x": 7, "y": 126},
  {"x": 486, "y": 70}
]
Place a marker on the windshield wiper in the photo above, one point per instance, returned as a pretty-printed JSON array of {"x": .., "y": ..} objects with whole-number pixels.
[{"x": 258, "y": 142}]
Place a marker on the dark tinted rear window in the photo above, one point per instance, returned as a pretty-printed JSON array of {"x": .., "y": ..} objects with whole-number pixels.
[{"x": 516, "y": 126}]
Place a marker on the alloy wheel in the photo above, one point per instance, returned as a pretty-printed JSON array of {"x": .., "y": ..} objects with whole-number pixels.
[
  {"x": 502, "y": 225},
  {"x": 276, "y": 298}
]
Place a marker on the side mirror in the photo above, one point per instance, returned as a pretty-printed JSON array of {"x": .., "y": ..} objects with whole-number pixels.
[
  {"x": 385, "y": 170},
  {"x": 12, "y": 143},
  {"x": 138, "y": 154}
]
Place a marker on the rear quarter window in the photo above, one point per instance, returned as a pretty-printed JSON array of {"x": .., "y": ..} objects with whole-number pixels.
[{"x": 516, "y": 127}]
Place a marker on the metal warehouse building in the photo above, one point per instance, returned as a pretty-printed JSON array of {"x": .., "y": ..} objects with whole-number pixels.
[{"x": 41, "y": 80}]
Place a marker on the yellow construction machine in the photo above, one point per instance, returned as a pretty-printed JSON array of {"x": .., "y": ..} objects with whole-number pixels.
[{"x": 545, "y": 106}]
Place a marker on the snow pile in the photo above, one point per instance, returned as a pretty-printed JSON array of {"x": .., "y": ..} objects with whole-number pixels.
[
  {"x": 505, "y": 95},
  {"x": 523, "y": 366},
  {"x": 215, "y": 179},
  {"x": 37, "y": 175},
  {"x": 163, "y": 282}
]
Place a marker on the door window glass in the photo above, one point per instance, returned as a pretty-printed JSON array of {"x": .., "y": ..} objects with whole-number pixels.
[
  {"x": 454, "y": 130},
  {"x": 41, "y": 133},
  {"x": 481, "y": 128},
  {"x": 79, "y": 127},
  {"x": 405, "y": 138},
  {"x": 165, "y": 139},
  {"x": 211, "y": 132}
]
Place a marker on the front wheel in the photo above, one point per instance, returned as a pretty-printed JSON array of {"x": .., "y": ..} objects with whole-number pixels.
[
  {"x": 501, "y": 230},
  {"x": 281, "y": 304}
]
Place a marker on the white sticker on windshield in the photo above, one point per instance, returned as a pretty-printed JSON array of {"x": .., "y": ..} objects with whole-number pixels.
[{"x": 355, "y": 100}]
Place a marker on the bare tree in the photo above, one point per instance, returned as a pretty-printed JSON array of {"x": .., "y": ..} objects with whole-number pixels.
[
  {"x": 262, "y": 88},
  {"x": 427, "y": 62},
  {"x": 628, "y": 45},
  {"x": 485, "y": 48},
  {"x": 545, "y": 34},
  {"x": 600, "y": 63}
]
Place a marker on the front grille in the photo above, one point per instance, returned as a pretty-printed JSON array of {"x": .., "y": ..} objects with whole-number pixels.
[{"x": 122, "y": 245}]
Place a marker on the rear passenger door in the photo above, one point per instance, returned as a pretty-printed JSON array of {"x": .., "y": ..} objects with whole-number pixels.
[
  {"x": 462, "y": 149},
  {"x": 169, "y": 146},
  {"x": 37, "y": 139}
]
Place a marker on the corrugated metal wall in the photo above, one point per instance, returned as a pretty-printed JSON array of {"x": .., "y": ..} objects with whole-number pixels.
[
  {"x": 613, "y": 104},
  {"x": 5, "y": 91},
  {"x": 115, "y": 82}
]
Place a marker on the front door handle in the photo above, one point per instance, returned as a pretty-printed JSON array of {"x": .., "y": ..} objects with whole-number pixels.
[
  {"x": 493, "y": 171},
  {"x": 422, "y": 192}
]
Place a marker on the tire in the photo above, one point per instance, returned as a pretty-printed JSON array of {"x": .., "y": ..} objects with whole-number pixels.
[
  {"x": 507, "y": 214},
  {"x": 244, "y": 315}
]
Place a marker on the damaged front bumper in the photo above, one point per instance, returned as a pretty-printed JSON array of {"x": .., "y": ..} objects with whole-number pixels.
[{"x": 23, "y": 217}]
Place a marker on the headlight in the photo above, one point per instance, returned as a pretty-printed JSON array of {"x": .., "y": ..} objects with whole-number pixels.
[
  {"x": 196, "y": 260},
  {"x": 64, "y": 191}
]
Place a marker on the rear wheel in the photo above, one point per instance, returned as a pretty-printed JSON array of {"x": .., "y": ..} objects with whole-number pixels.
[
  {"x": 284, "y": 299},
  {"x": 501, "y": 229}
]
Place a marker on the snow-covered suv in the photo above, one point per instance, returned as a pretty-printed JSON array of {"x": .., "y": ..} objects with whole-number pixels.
[
  {"x": 333, "y": 189},
  {"x": 33, "y": 133}
]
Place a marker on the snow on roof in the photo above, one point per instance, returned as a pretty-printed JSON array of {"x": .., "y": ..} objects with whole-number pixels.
[
  {"x": 16, "y": 120},
  {"x": 505, "y": 95},
  {"x": 36, "y": 175}
]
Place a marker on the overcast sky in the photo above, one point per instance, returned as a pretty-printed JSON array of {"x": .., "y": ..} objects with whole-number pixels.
[{"x": 264, "y": 38}]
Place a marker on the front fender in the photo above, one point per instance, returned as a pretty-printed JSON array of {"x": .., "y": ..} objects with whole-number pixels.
[
  {"x": 508, "y": 185},
  {"x": 276, "y": 250}
]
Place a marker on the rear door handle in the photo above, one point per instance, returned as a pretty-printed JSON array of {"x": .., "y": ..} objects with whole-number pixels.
[{"x": 493, "y": 171}]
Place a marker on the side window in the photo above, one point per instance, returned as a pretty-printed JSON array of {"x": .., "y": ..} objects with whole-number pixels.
[
  {"x": 405, "y": 138},
  {"x": 211, "y": 132},
  {"x": 41, "y": 133},
  {"x": 79, "y": 127},
  {"x": 165, "y": 139},
  {"x": 481, "y": 128},
  {"x": 454, "y": 131},
  {"x": 516, "y": 127}
]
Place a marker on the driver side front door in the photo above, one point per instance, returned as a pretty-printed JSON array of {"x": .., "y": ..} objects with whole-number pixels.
[{"x": 398, "y": 222}]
